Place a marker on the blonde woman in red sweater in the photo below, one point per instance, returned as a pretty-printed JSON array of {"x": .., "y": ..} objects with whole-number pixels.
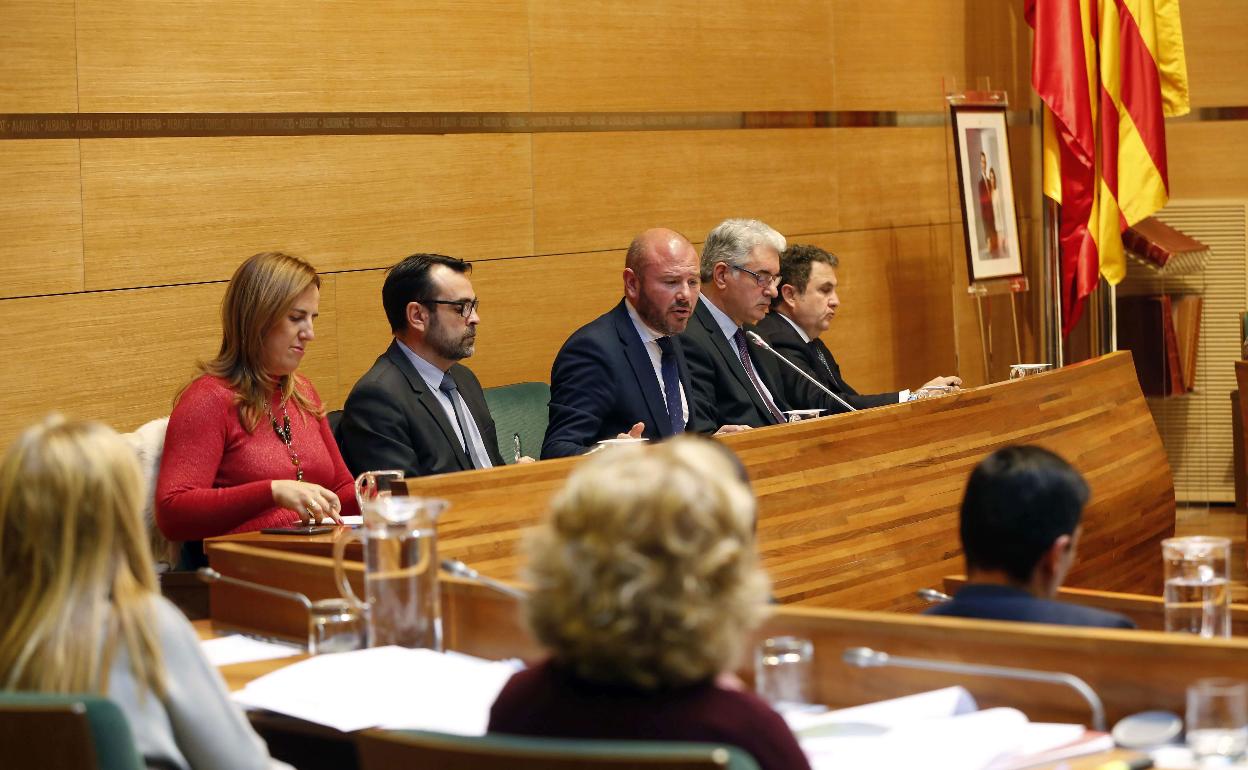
[{"x": 248, "y": 446}]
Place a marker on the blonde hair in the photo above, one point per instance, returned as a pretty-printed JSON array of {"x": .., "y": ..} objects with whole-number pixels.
[
  {"x": 77, "y": 579},
  {"x": 262, "y": 289},
  {"x": 644, "y": 572}
]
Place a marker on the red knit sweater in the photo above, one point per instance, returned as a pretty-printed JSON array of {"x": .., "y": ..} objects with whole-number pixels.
[{"x": 215, "y": 476}]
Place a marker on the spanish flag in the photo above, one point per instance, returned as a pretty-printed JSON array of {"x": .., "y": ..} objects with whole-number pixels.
[{"x": 1109, "y": 72}]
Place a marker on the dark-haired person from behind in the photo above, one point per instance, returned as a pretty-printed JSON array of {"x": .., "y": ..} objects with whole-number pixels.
[
  {"x": 418, "y": 409},
  {"x": 1020, "y": 529}
]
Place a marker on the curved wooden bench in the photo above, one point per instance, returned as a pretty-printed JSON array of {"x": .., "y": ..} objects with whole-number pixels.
[{"x": 860, "y": 510}]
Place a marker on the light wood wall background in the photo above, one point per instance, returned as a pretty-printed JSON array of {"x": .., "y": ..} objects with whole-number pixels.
[{"x": 114, "y": 252}]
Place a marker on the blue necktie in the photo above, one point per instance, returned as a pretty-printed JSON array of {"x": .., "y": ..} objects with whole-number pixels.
[
  {"x": 671, "y": 385},
  {"x": 476, "y": 454}
]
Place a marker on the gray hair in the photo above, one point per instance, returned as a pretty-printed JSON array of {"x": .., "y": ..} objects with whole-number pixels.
[{"x": 732, "y": 241}]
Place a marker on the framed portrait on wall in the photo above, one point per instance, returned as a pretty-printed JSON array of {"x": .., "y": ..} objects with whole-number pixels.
[{"x": 986, "y": 187}]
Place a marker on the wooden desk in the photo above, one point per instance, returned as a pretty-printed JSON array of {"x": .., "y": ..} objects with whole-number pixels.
[
  {"x": 1131, "y": 670},
  {"x": 860, "y": 510}
]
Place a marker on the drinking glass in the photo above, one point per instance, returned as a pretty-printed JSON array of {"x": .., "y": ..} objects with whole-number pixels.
[
  {"x": 1198, "y": 596},
  {"x": 783, "y": 670},
  {"x": 1217, "y": 719},
  {"x": 334, "y": 626}
]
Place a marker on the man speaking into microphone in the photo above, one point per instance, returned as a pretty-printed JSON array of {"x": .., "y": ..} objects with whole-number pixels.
[{"x": 803, "y": 307}]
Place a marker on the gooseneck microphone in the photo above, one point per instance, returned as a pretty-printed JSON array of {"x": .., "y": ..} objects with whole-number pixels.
[
  {"x": 459, "y": 569},
  {"x": 865, "y": 657},
  {"x": 762, "y": 343},
  {"x": 210, "y": 575}
]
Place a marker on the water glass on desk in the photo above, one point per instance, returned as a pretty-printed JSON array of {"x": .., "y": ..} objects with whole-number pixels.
[
  {"x": 334, "y": 626},
  {"x": 1198, "y": 595},
  {"x": 1217, "y": 719},
  {"x": 783, "y": 670}
]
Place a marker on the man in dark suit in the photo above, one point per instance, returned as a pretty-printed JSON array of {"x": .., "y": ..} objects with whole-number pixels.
[
  {"x": 418, "y": 409},
  {"x": 1020, "y": 528},
  {"x": 624, "y": 373},
  {"x": 736, "y": 386},
  {"x": 802, "y": 310}
]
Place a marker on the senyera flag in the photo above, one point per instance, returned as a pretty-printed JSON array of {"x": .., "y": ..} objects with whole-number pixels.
[{"x": 1109, "y": 72}]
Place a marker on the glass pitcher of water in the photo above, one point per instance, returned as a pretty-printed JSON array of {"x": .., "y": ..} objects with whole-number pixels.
[
  {"x": 1198, "y": 592},
  {"x": 399, "y": 539}
]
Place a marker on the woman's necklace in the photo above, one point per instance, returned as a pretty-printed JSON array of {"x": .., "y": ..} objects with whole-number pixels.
[{"x": 283, "y": 433}]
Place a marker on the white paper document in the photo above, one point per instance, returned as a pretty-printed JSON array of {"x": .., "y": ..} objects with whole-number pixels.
[
  {"x": 388, "y": 687},
  {"x": 938, "y": 730},
  {"x": 227, "y": 650}
]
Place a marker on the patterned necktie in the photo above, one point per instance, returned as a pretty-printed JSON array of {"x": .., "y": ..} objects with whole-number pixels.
[
  {"x": 671, "y": 385},
  {"x": 475, "y": 456},
  {"x": 836, "y": 384},
  {"x": 744, "y": 353}
]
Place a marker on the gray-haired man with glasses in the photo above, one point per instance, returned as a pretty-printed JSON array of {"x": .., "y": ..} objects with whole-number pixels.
[
  {"x": 418, "y": 409},
  {"x": 735, "y": 386}
]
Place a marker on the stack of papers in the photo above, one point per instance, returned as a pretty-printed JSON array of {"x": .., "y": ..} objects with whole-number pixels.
[
  {"x": 228, "y": 650},
  {"x": 393, "y": 688},
  {"x": 938, "y": 730}
]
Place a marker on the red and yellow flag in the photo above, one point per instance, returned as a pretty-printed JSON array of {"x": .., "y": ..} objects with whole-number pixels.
[{"x": 1109, "y": 72}]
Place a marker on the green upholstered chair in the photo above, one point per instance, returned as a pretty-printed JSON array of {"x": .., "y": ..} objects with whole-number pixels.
[
  {"x": 519, "y": 409},
  {"x": 44, "y": 730},
  {"x": 406, "y": 749}
]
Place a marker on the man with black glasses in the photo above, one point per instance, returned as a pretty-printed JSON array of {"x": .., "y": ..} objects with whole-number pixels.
[
  {"x": 418, "y": 409},
  {"x": 735, "y": 384}
]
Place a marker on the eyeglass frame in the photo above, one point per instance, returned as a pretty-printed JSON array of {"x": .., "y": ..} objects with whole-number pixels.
[
  {"x": 465, "y": 307},
  {"x": 762, "y": 282}
]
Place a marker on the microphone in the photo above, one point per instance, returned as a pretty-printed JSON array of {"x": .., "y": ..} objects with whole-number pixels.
[
  {"x": 459, "y": 569},
  {"x": 210, "y": 575},
  {"x": 865, "y": 657},
  {"x": 762, "y": 343},
  {"x": 932, "y": 596}
]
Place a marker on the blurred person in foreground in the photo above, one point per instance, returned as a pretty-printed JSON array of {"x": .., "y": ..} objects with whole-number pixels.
[
  {"x": 645, "y": 583},
  {"x": 1020, "y": 530},
  {"x": 83, "y": 612},
  {"x": 248, "y": 445}
]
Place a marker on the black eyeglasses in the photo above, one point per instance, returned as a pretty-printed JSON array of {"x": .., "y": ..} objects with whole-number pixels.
[
  {"x": 465, "y": 307},
  {"x": 764, "y": 280}
]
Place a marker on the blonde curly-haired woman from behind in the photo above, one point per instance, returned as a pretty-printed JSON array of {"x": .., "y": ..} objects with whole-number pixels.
[
  {"x": 82, "y": 609},
  {"x": 645, "y": 584}
]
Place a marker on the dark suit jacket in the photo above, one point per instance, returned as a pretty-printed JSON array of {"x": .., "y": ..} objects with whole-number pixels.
[
  {"x": 784, "y": 338},
  {"x": 996, "y": 602},
  {"x": 602, "y": 383},
  {"x": 392, "y": 421},
  {"x": 723, "y": 390}
]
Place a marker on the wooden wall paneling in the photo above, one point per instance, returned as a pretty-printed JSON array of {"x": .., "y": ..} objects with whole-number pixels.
[
  {"x": 1206, "y": 160},
  {"x": 595, "y": 191},
  {"x": 160, "y": 211},
  {"x": 40, "y": 218},
  {"x": 683, "y": 55},
  {"x": 37, "y": 57},
  {"x": 363, "y": 332},
  {"x": 119, "y": 356},
  {"x": 287, "y": 56},
  {"x": 529, "y": 307},
  {"x": 998, "y": 49},
  {"x": 533, "y": 305},
  {"x": 894, "y": 55},
  {"x": 890, "y": 332},
  {"x": 892, "y": 177},
  {"x": 1213, "y": 35}
]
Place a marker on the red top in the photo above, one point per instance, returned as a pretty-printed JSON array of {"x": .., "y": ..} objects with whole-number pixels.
[{"x": 215, "y": 477}]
